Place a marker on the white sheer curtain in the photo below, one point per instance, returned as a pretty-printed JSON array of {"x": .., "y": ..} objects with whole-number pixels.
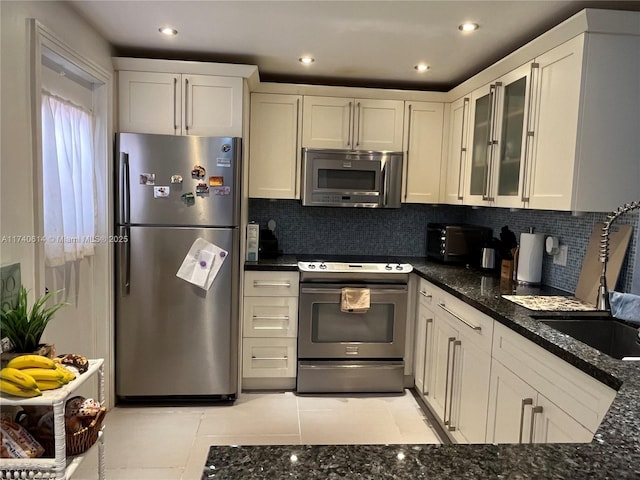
[{"x": 68, "y": 181}]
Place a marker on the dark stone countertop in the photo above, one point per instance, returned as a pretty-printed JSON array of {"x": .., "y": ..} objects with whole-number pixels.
[{"x": 613, "y": 454}]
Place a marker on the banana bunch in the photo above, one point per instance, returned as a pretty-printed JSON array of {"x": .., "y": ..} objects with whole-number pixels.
[
  {"x": 14, "y": 382},
  {"x": 29, "y": 375}
]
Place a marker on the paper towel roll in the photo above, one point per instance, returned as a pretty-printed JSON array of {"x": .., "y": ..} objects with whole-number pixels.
[{"x": 530, "y": 257}]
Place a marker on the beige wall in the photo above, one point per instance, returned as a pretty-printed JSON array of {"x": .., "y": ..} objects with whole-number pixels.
[{"x": 16, "y": 169}]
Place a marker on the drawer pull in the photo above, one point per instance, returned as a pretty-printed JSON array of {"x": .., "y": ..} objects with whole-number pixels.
[
  {"x": 259, "y": 283},
  {"x": 477, "y": 328},
  {"x": 253, "y": 357},
  {"x": 273, "y": 317},
  {"x": 426, "y": 295}
]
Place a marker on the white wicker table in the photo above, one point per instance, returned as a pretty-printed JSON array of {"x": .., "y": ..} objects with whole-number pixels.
[{"x": 60, "y": 467}]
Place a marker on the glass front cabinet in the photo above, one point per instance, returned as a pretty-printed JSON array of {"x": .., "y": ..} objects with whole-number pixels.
[{"x": 500, "y": 119}]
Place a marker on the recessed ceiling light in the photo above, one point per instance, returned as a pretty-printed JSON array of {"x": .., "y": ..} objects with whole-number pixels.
[
  {"x": 421, "y": 67},
  {"x": 468, "y": 27},
  {"x": 306, "y": 60},
  {"x": 168, "y": 31}
]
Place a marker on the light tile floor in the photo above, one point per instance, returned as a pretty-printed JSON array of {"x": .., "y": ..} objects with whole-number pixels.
[{"x": 171, "y": 443}]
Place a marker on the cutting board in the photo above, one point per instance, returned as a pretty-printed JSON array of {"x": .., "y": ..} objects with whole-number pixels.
[{"x": 589, "y": 281}]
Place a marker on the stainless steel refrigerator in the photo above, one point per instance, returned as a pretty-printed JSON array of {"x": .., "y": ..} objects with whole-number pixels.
[{"x": 175, "y": 339}]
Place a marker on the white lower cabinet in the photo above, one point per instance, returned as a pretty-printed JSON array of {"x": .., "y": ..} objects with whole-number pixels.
[
  {"x": 519, "y": 414},
  {"x": 539, "y": 398},
  {"x": 457, "y": 365},
  {"x": 470, "y": 390},
  {"x": 486, "y": 383},
  {"x": 269, "y": 330},
  {"x": 509, "y": 400},
  {"x": 438, "y": 367},
  {"x": 269, "y": 357},
  {"x": 423, "y": 337}
]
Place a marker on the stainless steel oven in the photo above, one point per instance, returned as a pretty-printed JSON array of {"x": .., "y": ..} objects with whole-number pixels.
[{"x": 342, "y": 351}]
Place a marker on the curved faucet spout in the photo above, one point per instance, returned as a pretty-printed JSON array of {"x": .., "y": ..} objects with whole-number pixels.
[{"x": 602, "y": 302}]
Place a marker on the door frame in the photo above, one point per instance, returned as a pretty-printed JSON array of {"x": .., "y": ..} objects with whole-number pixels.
[{"x": 44, "y": 41}]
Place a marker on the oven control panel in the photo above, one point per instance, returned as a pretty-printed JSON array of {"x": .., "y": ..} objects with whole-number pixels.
[{"x": 355, "y": 267}]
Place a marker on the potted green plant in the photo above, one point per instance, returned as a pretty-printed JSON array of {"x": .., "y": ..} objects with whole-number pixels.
[{"x": 25, "y": 327}]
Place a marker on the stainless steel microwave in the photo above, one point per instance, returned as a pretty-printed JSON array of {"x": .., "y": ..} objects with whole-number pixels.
[{"x": 340, "y": 178}]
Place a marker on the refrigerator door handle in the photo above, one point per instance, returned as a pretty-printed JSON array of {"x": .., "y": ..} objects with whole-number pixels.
[
  {"x": 125, "y": 191},
  {"x": 125, "y": 261}
]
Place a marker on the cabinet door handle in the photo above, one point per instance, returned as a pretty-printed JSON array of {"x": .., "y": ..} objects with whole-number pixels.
[
  {"x": 534, "y": 410},
  {"x": 357, "y": 128},
  {"x": 492, "y": 100},
  {"x": 426, "y": 295},
  {"x": 477, "y": 328},
  {"x": 425, "y": 382},
  {"x": 457, "y": 343},
  {"x": 349, "y": 131},
  {"x": 494, "y": 141},
  {"x": 175, "y": 104},
  {"x": 525, "y": 402},
  {"x": 446, "y": 379},
  {"x": 494, "y": 113},
  {"x": 530, "y": 134},
  {"x": 406, "y": 167},
  {"x": 186, "y": 105},
  {"x": 296, "y": 180},
  {"x": 253, "y": 357},
  {"x": 463, "y": 148}
]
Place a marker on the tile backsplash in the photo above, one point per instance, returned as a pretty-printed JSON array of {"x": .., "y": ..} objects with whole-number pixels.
[{"x": 402, "y": 232}]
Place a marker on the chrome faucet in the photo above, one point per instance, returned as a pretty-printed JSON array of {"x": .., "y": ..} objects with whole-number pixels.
[{"x": 602, "y": 302}]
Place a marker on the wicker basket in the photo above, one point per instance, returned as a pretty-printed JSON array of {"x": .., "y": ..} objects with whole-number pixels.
[{"x": 78, "y": 442}]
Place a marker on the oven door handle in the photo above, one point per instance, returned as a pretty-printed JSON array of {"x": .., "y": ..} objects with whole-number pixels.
[{"x": 373, "y": 291}]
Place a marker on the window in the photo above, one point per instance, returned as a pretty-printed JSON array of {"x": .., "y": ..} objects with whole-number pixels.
[{"x": 68, "y": 180}]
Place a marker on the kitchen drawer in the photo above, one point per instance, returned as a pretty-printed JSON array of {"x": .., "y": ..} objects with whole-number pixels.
[
  {"x": 270, "y": 317},
  {"x": 428, "y": 295},
  {"x": 271, "y": 284},
  {"x": 269, "y": 357},
  {"x": 473, "y": 324},
  {"x": 580, "y": 395}
]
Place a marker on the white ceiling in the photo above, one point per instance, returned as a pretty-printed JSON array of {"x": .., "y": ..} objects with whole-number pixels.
[{"x": 360, "y": 43}]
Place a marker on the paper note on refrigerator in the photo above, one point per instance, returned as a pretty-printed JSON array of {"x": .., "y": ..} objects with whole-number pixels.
[{"x": 202, "y": 263}]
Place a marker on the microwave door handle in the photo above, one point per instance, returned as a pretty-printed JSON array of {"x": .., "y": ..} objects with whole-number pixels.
[{"x": 383, "y": 183}]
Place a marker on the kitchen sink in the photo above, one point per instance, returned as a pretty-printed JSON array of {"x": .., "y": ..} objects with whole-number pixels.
[{"x": 608, "y": 335}]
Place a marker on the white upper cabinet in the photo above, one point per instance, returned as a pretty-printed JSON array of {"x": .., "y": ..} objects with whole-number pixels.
[
  {"x": 150, "y": 102},
  {"x": 423, "y": 147},
  {"x": 557, "y": 133},
  {"x": 180, "y": 104},
  {"x": 584, "y": 138},
  {"x": 353, "y": 124},
  {"x": 499, "y": 112},
  {"x": 274, "y": 139},
  {"x": 454, "y": 170}
]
